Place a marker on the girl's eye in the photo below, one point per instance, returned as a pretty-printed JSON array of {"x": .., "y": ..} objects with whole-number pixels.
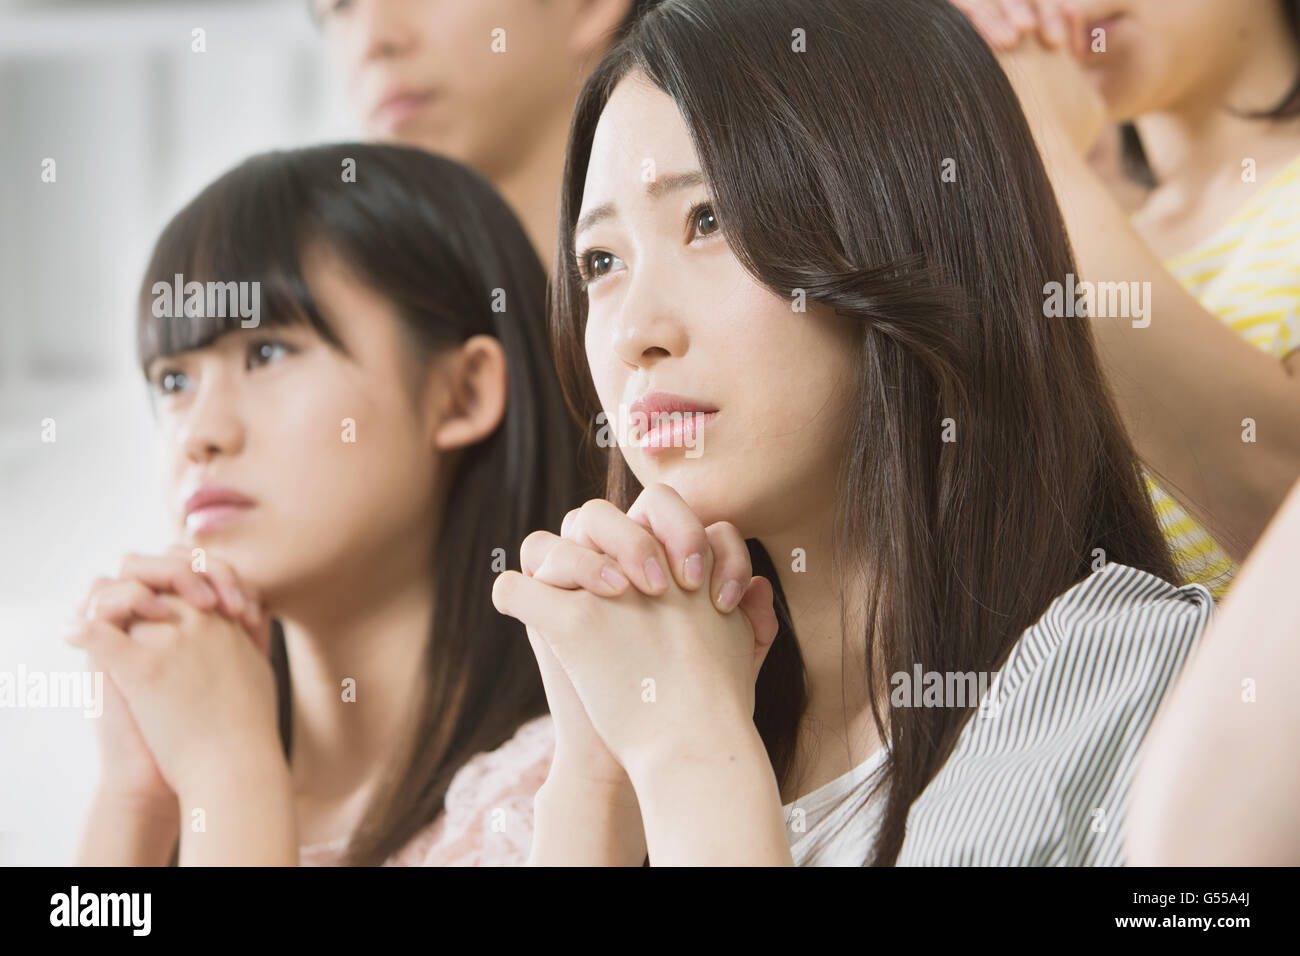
[
  {"x": 263, "y": 353},
  {"x": 705, "y": 220},
  {"x": 170, "y": 381},
  {"x": 596, "y": 263}
]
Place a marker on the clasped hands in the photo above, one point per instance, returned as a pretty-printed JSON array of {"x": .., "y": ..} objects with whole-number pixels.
[{"x": 632, "y": 618}]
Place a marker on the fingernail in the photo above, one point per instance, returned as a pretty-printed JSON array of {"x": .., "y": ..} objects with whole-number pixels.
[
  {"x": 655, "y": 574},
  {"x": 693, "y": 567},
  {"x": 237, "y": 602},
  {"x": 614, "y": 578},
  {"x": 730, "y": 596}
]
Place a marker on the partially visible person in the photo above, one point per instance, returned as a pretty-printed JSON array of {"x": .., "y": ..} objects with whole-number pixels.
[
  {"x": 1219, "y": 777},
  {"x": 1208, "y": 374},
  {"x": 490, "y": 83},
  {"x": 315, "y": 673}
]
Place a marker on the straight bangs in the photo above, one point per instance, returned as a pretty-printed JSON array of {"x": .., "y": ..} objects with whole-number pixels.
[{"x": 230, "y": 260}]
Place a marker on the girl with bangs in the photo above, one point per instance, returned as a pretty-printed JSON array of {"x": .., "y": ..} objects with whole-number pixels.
[{"x": 315, "y": 673}]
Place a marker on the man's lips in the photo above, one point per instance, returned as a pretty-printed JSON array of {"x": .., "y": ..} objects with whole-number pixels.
[{"x": 397, "y": 108}]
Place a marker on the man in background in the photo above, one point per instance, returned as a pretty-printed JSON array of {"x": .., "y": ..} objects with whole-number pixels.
[{"x": 491, "y": 83}]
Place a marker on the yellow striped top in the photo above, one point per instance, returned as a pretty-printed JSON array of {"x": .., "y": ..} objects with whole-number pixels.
[{"x": 1248, "y": 274}]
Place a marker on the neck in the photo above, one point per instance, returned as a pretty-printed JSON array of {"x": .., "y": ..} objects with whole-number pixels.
[
  {"x": 375, "y": 634},
  {"x": 1197, "y": 137},
  {"x": 833, "y": 650},
  {"x": 531, "y": 186}
]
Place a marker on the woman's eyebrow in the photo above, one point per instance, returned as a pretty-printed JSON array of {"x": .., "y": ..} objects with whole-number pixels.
[{"x": 655, "y": 189}]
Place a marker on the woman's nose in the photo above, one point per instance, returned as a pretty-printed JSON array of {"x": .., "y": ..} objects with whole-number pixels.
[{"x": 649, "y": 326}]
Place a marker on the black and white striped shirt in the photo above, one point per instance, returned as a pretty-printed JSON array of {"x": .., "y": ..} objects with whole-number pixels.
[{"x": 1040, "y": 774}]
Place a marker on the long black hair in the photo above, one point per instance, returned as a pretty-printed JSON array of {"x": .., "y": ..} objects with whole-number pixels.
[
  {"x": 826, "y": 169},
  {"x": 434, "y": 239}
]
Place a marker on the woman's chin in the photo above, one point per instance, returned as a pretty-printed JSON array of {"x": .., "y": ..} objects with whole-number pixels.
[{"x": 703, "y": 498}]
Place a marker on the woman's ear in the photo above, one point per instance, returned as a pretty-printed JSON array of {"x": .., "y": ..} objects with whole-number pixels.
[
  {"x": 594, "y": 24},
  {"x": 473, "y": 393}
]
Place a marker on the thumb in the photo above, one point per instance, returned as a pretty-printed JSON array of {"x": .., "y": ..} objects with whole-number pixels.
[{"x": 757, "y": 607}]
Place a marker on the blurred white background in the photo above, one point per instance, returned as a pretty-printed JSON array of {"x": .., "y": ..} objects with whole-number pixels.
[{"x": 137, "y": 123}]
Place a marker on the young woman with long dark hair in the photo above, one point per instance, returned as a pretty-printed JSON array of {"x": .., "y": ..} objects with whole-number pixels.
[
  {"x": 353, "y": 461},
  {"x": 803, "y": 261}
]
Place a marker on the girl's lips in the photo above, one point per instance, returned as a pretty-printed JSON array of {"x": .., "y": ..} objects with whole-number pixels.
[
  {"x": 675, "y": 430},
  {"x": 213, "y": 516}
]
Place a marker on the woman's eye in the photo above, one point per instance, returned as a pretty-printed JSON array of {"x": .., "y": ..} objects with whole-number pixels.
[
  {"x": 170, "y": 381},
  {"x": 705, "y": 220},
  {"x": 597, "y": 263},
  {"x": 263, "y": 353}
]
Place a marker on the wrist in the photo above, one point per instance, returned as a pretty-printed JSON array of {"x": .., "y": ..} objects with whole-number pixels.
[
  {"x": 593, "y": 777},
  {"x": 714, "y": 802},
  {"x": 159, "y": 806},
  {"x": 581, "y": 821},
  {"x": 726, "y": 742},
  {"x": 247, "y": 772}
]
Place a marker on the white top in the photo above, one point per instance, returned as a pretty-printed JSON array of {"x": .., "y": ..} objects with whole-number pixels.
[
  {"x": 822, "y": 811},
  {"x": 1041, "y": 772}
]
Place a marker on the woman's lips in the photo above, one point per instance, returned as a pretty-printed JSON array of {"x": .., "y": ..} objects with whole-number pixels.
[
  {"x": 674, "y": 430},
  {"x": 214, "y": 516}
]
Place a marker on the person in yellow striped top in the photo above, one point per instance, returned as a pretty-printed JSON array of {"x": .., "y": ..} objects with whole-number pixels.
[
  {"x": 1208, "y": 381},
  {"x": 1248, "y": 274}
]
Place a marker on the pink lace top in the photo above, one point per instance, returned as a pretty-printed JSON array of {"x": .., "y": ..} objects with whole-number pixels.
[{"x": 488, "y": 815}]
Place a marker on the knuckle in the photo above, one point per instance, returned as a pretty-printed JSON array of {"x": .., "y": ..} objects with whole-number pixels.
[
  {"x": 534, "y": 548},
  {"x": 693, "y": 538},
  {"x": 726, "y": 529},
  {"x": 571, "y": 519}
]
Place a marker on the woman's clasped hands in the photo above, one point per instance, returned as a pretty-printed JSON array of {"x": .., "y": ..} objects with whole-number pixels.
[{"x": 632, "y": 620}]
